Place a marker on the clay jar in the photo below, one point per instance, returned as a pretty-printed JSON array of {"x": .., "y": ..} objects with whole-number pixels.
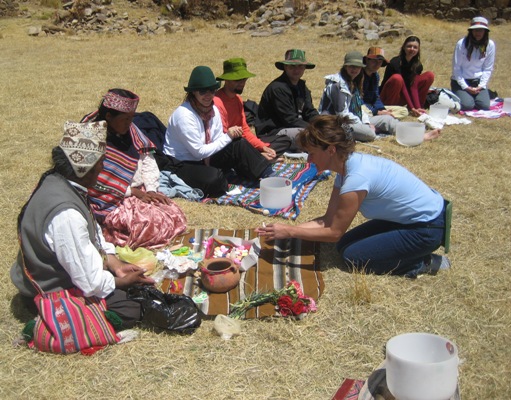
[{"x": 219, "y": 275}]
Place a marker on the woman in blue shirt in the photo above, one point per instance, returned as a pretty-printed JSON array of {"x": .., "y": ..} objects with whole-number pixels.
[{"x": 406, "y": 217}]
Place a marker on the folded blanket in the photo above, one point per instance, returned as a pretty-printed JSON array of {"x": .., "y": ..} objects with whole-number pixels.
[
  {"x": 495, "y": 111},
  {"x": 245, "y": 193}
]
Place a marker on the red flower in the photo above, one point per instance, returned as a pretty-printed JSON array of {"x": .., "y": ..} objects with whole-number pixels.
[
  {"x": 285, "y": 304},
  {"x": 299, "y": 307}
]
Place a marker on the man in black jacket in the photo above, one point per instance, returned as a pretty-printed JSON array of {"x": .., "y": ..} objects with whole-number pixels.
[{"x": 286, "y": 104}]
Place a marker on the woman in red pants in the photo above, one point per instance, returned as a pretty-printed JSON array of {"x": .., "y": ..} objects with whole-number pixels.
[{"x": 404, "y": 83}]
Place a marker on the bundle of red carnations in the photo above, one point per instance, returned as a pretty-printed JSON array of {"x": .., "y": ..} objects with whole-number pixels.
[{"x": 288, "y": 301}]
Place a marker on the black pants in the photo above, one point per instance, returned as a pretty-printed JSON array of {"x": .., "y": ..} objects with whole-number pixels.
[{"x": 238, "y": 155}]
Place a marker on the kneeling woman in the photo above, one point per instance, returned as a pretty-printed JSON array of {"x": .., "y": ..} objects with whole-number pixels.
[
  {"x": 126, "y": 200},
  {"x": 406, "y": 216}
]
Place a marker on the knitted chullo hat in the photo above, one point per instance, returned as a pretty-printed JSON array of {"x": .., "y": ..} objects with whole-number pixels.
[{"x": 84, "y": 144}]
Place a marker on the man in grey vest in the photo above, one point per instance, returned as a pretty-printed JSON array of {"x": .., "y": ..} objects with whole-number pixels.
[{"x": 61, "y": 244}]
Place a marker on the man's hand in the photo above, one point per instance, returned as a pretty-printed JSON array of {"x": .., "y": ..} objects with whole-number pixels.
[
  {"x": 133, "y": 278},
  {"x": 235, "y": 132}
]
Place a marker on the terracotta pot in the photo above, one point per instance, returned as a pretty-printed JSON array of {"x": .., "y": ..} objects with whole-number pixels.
[{"x": 219, "y": 275}]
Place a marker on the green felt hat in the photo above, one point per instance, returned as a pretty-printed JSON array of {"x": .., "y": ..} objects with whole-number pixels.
[
  {"x": 294, "y": 57},
  {"x": 234, "y": 70},
  {"x": 202, "y": 78}
]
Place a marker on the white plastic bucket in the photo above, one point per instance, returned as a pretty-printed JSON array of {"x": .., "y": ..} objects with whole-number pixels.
[
  {"x": 276, "y": 192},
  {"x": 421, "y": 366},
  {"x": 410, "y": 133},
  {"x": 506, "y": 107},
  {"x": 439, "y": 112}
]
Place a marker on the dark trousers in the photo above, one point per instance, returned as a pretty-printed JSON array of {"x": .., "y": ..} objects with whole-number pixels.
[
  {"x": 238, "y": 155},
  {"x": 384, "y": 247}
]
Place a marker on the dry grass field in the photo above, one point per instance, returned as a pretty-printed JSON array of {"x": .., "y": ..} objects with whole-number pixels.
[{"x": 45, "y": 81}]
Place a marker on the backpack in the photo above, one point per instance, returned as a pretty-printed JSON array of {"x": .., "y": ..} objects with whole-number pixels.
[
  {"x": 443, "y": 96},
  {"x": 250, "y": 107},
  {"x": 152, "y": 127}
]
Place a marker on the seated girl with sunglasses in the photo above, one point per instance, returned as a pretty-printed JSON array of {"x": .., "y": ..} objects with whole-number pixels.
[{"x": 200, "y": 151}]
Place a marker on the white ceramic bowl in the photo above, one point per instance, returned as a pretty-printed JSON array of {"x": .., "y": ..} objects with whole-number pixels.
[
  {"x": 439, "y": 112},
  {"x": 421, "y": 366},
  {"x": 410, "y": 133},
  {"x": 276, "y": 192},
  {"x": 506, "y": 107}
]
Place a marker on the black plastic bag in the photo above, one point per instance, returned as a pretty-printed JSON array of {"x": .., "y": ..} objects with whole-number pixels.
[{"x": 172, "y": 312}]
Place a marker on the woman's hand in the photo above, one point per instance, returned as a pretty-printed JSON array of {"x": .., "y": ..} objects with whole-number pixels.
[
  {"x": 386, "y": 112},
  {"x": 274, "y": 231},
  {"x": 235, "y": 132},
  {"x": 473, "y": 90},
  {"x": 268, "y": 153},
  {"x": 417, "y": 112},
  {"x": 150, "y": 197}
]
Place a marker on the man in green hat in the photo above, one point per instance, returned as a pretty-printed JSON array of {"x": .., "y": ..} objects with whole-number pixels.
[
  {"x": 230, "y": 104},
  {"x": 199, "y": 149},
  {"x": 286, "y": 104}
]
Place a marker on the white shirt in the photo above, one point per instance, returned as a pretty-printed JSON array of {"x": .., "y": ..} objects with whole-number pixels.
[
  {"x": 67, "y": 235},
  {"x": 185, "y": 138},
  {"x": 476, "y": 67}
]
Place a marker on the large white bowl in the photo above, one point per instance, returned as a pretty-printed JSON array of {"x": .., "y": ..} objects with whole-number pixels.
[
  {"x": 438, "y": 112},
  {"x": 276, "y": 192},
  {"x": 421, "y": 366},
  {"x": 410, "y": 133}
]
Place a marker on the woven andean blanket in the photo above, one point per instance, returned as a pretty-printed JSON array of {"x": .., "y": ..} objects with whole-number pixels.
[
  {"x": 278, "y": 263},
  {"x": 245, "y": 193}
]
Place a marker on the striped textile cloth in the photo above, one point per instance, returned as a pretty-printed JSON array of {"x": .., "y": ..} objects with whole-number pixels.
[
  {"x": 303, "y": 175},
  {"x": 278, "y": 263},
  {"x": 349, "y": 390},
  {"x": 118, "y": 170}
]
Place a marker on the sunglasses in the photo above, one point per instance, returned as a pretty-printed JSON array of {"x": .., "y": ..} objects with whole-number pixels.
[{"x": 203, "y": 92}]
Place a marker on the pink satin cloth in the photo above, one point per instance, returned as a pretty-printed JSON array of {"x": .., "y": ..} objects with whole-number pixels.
[{"x": 138, "y": 224}]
